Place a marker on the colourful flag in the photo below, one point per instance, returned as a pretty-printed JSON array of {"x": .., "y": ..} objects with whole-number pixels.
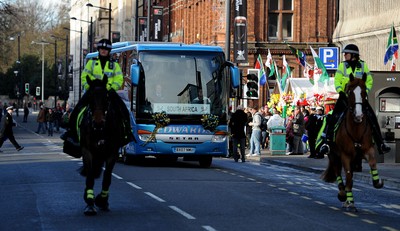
[
  {"x": 392, "y": 46},
  {"x": 261, "y": 73},
  {"x": 286, "y": 73},
  {"x": 300, "y": 56},
  {"x": 269, "y": 64},
  {"x": 309, "y": 73},
  {"x": 319, "y": 68},
  {"x": 278, "y": 77}
]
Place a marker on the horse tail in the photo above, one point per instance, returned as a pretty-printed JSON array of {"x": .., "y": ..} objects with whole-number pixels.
[{"x": 331, "y": 172}]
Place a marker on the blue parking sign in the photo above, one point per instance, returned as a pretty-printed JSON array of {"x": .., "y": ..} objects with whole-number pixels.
[{"x": 329, "y": 57}]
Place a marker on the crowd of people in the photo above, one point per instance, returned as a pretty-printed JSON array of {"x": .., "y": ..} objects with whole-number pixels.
[{"x": 302, "y": 127}]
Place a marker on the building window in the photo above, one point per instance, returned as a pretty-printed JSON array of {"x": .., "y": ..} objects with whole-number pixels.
[{"x": 280, "y": 19}]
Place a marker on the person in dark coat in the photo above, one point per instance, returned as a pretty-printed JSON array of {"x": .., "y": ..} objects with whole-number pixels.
[
  {"x": 26, "y": 113},
  {"x": 6, "y": 131},
  {"x": 313, "y": 126},
  {"x": 237, "y": 124}
]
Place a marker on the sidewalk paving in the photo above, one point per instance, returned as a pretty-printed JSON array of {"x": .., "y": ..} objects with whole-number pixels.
[{"x": 389, "y": 172}]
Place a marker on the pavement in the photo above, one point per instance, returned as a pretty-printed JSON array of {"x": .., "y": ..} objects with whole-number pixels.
[{"x": 388, "y": 172}]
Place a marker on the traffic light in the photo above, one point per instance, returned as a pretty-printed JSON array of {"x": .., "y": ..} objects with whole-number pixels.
[
  {"x": 37, "y": 91},
  {"x": 253, "y": 84},
  {"x": 27, "y": 88}
]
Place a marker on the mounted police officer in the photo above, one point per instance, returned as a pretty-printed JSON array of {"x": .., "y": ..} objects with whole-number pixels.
[
  {"x": 351, "y": 65},
  {"x": 99, "y": 68}
]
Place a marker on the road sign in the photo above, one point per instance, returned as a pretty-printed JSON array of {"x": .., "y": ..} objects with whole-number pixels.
[{"x": 329, "y": 57}]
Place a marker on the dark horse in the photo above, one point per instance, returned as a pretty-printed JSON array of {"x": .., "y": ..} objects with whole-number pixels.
[
  {"x": 353, "y": 143},
  {"x": 99, "y": 139}
]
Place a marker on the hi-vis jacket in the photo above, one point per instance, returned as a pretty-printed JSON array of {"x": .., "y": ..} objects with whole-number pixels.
[
  {"x": 343, "y": 72},
  {"x": 94, "y": 71}
]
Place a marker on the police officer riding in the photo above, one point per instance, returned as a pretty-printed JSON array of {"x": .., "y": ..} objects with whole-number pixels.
[
  {"x": 99, "y": 68},
  {"x": 352, "y": 64}
]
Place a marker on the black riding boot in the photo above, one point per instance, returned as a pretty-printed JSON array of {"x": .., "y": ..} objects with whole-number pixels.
[
  {"x": 123, "y": 112},
  {"x": 376, "y": 132}
]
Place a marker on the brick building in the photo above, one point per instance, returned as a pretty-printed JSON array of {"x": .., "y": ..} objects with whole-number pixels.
[{"x": 301, "y": 23}]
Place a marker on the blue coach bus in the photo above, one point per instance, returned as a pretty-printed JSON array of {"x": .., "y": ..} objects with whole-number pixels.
[{"x": 178, "y": 96}]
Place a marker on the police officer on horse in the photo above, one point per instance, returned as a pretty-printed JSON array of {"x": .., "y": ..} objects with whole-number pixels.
[
  {"x": 99, "y": 68},
  {"x": 357, "y": 67}
]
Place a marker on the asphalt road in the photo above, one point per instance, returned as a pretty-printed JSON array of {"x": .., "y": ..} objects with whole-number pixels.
[{"x": 41, "y": 190}]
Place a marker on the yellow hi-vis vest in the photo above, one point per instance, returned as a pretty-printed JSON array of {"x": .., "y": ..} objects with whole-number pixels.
[
  {"x": 94, "y": 71},
  {"x": 343, "y": 72}
]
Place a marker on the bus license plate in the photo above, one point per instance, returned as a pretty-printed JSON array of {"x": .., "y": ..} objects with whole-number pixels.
[{"x": 184, "y": 150}]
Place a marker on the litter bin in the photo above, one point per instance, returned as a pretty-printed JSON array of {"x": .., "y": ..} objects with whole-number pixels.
[{"x": 277, "y": 139}]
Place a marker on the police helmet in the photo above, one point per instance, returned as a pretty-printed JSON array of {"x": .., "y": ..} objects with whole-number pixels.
[
  {"x": 105, "y": 44},
  {"x": 352, "y": 49}
]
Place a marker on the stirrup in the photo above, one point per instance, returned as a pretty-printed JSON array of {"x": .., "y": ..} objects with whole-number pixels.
[
  {"x": 384, "y": 148},
  {"x": 325, "y": 149}
]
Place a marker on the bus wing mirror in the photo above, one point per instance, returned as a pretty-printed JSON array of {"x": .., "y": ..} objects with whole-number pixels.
[
  {"x": 235, "y": 76},
  {"x": 135, "y": 73}
]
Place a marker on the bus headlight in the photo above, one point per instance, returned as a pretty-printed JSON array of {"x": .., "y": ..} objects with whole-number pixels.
[
  {"x": 218, "y": 138},
  {"x": 145, "y": 136}
]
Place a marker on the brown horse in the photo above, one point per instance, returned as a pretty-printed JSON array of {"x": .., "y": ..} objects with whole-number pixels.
[{"x": 353, "y": 143}]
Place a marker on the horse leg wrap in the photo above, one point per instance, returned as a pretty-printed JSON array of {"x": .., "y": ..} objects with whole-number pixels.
[
  {"x": 89, "y": 196},
  {"x": 101, "y": 200},
  {"x": 339, "y": 182},
  {"x": 374, "y": 174},
  {"x": 104, "y": 193},
  {"x": 349, "y": 196}
]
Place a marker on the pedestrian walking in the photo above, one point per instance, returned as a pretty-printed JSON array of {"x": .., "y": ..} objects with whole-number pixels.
[
  {"x": 50, "y": 122},
  {"x": 6, "y": 131},
  {"x": 237, "y": 124},
  {"x": 41, "y": 119},
  {"x": 26, "y": 113}
]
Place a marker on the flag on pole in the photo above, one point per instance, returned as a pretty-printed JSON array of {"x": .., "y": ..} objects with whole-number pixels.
[
  {"x": 260, "y": 65},
  {"x": 319, "y": 68},
  {"x": 278, "y": 77},
  {"x": 286, "y": 73},
  {"x": 269, "y": 64},
  {"x": 392, "y": 49},
  {"x": 309, "y": 73},
  {"x": 300, "y": 56}
]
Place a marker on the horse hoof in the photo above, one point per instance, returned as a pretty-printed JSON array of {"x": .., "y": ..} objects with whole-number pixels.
[
  {"x": 101, "y": 202},
  {"x": 90, "y": 210},
  {"x": 378, "y": 184},
  {"x": 349, "y": 206}
]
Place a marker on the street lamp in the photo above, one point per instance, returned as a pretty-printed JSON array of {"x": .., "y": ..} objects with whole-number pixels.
[
  {"x": 90, "y": 36},
  {"x": 109, "y": 16},
  {"x": 80, "y": 60},
  {"x": 66, "y": 57},
  {"x": 42, "y": 43},
  {"x": 18, "y": 65}
]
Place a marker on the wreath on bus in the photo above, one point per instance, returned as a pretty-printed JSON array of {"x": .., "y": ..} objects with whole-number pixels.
[
  {"x": 161, "y": 120},
  {"x": 210, "y": 122}
]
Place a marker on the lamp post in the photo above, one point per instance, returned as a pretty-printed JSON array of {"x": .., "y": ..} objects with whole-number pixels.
[
  {"x": 66, "y": 57},
  {"x": 42, "y": 43},
  {"x": 80, "y": 60},
  {"x": 109, "y": 16},
  {"x": 90, "y": 36},
  {"x": 18, "y": 66}
]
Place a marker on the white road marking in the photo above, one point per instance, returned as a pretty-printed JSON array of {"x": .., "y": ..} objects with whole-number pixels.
[
  {"x": 133, "y": 185},
  {"x": 208, "y": 228},
  {"x": 183, "y": 213},
  {"x": 154, "y": 197}
]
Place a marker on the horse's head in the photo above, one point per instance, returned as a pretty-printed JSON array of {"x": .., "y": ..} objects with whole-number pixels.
[
  {"x": 357, "y": 96},
  {"x": 98, "y": 101}
]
